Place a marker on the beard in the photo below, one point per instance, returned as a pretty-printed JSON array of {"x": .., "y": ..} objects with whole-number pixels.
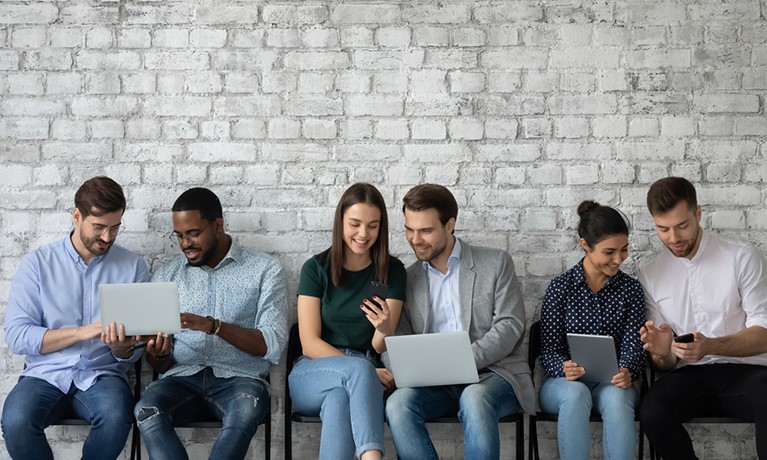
[
  {"x": 688, "y": 248},
  {"x": 95, "y": 245},
  {"x": 430, "y": 254},
  {"x": 204, "y": 256}
]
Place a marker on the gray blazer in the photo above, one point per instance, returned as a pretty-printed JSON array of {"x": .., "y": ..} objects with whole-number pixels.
[{"x": 491, "y": 308}]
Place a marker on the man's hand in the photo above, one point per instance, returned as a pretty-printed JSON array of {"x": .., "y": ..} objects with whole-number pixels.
[
  {"x": 622, "y": 379},
  {"x": 196, "y": 322},
  {"x": 572, "y": 370},
  {"x": 386, "y": 378},
  {"x": 692, "y": 351},
  {"x": 114, "y": 337},
  {"x": 159, "y": 346},
  {"x": 89, "y": 331},
  {"x": 656, "y": 340}
]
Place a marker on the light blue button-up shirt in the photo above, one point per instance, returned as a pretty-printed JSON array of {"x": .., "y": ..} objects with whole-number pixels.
[
  {"x": 54, "y": 289},
  {"x": 246, "y": 288},
  {"x": 444, "y": 294}
]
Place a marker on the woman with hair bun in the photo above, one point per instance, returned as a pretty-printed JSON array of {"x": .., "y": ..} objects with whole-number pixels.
[{"x": 594, "y": 297}]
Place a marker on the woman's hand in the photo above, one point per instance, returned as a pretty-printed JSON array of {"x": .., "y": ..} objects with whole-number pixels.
[
  {"x": 386, "y": 378},
  {"x": 378, "y": 313},
  {"x": 622, "y": 379},
  {"x": 572, "y": 370}
]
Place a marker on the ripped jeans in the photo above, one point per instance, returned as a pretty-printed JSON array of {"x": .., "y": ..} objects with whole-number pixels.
[{"x": 239, "y": 402}]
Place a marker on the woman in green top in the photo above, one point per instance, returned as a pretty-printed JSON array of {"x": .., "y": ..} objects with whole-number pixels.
[{"x": 342, "y": 330}]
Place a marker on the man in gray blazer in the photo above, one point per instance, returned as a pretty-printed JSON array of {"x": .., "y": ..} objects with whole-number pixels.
[{"x": 456, "y": 287}]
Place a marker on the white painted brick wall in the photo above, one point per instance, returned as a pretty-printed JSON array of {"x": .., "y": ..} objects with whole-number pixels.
[{"x": 522, "y": 111}]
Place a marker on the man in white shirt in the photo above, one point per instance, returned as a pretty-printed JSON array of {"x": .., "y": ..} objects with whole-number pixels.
[{"x": 715, "y": 289}]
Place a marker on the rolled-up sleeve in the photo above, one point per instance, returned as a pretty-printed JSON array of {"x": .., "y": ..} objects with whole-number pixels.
[{"x": 271, "y": 319}]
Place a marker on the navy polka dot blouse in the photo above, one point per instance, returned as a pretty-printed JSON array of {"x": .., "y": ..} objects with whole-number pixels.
[{"x": 571, "y": 306}]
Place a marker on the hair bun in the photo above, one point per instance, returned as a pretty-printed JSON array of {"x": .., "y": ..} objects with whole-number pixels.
[{"x": 587, "y": 206}]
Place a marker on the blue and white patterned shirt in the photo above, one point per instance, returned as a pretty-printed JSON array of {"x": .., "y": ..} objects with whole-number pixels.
[
  {"x": 246, "y": 288},
  {"x": 570, "y": 306}
]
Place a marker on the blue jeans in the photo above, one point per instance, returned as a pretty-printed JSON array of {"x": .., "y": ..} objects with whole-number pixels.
[
  {"x": 348, "y": 395},
  {"x": 34, "y": 404},
  {"x": 574, "y": 401},
  {"x": 241, "y": 403},
  {"x": 478, "y": 406}
]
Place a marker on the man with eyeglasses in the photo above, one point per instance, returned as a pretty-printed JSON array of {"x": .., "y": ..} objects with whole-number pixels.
[
  {"x": 234, "y": 328},
  {"x": 72, "y": 368}
]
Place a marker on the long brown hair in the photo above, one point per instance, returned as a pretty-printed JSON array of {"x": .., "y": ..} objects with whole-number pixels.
[{"x": 379, "y": 252}]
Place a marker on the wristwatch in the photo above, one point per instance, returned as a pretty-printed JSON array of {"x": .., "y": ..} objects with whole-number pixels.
[{"x": 215, "y": 325}]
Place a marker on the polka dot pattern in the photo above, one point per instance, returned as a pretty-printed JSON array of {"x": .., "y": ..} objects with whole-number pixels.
[{"x": 570, "y": 306}]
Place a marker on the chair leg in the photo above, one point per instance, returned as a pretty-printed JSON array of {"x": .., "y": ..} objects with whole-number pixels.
[
  {"x": 268, "y": 437},
  {"x": 641, "y": 442},
  {"x": 532, "y": 452},
  {"x": 135, "y": 444},
  {"x": 288, "y": 437},
  {"x": 520, "y": 441}
]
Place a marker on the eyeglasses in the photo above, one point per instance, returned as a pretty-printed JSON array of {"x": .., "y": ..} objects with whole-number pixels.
[
  {"x": 115, "y": 230},
  {"x": 190, "y": 236}
]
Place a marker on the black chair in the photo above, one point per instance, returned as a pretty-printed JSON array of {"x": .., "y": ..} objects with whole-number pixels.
[
  {"x": 209, "y": 420},
  {"x": 534, "y": 351},
  {"x": 295, "y": 350},
  {"x": 709, "y": 419}
]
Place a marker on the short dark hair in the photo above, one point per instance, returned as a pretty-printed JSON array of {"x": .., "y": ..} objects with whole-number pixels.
[
  {"x": 98, "y": 196},
  {"x": 599, "y": 222},
  {"x": 379, "y": 253},
  {"x": 665, "y": 194},
  {"x": 431, "y": 196},
  {"x": 200, "y": 199}
]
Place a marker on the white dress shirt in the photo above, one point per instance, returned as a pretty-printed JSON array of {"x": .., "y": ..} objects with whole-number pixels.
[
  {"x": 444, "y": 295},
  {"x": 720, "y": 292}
]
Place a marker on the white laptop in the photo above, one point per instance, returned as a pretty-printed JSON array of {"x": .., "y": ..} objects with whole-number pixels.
[
  {"x": 423, "y": 360},
  {"x": 596, "y": 354},
  {"x": 144, "y": 308}
]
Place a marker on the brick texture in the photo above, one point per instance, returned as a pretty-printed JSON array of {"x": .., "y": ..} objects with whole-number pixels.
[{"x": 522, "y": 108}]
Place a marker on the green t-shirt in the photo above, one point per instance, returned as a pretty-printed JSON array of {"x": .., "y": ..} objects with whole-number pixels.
[{"x": 343, "y": 322}]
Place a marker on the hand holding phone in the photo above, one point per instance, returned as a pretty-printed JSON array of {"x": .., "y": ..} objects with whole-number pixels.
[
  {"x": 685, "y": 338},
  {"x": 376, "y": 289}
]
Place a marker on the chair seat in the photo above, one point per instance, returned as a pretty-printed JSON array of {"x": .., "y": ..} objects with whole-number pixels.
[{"x": 72, "y": 422}]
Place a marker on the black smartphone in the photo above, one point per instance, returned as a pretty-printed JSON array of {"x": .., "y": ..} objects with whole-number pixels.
[
  {"x": 378, "y": 290},
  {"x": 686, "y": 338}
]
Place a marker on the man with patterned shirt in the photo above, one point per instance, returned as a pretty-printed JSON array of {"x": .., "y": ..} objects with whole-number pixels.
[{"x": 234, "y": 328}]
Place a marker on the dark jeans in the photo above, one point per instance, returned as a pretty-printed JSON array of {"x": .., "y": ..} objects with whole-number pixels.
[
  {"x": 729, "y": 390},
  {"x": 241, "y": 403},
  {"x": 34, "y": 404}
]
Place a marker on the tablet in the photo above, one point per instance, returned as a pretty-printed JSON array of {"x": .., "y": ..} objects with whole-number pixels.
[
  {"x": 144, "y": 308},
  {"x": 423, "y": 360},
  {"x": 596, "y": 354}
]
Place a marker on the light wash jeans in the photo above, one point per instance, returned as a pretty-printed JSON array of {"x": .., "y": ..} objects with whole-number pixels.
[
  {"x": 478, "y": 406},
  {"x": 348, "y": 396},
  {"x": 241, "y": 403},
  {"x": 574, "y": 402},
  {"x": 34, "y": 404}
]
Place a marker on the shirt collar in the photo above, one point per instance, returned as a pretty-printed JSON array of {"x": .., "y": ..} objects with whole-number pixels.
[{"x": 452, "y": 261}]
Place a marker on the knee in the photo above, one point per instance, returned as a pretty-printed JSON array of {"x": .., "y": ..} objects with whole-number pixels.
[
  {"x": 14, "y": 423},
  {"x": 651, "y": 409},
  {"x": 400, "y": 405},
  {"x": 336, "y": 401},
  {"x": 248, "y": 410},
  {"x": 474, "y": 400},
  {"x": 575, "y": 394},
  {"x": 614, "y": 401},
  {"x": 146, "y": 414}
]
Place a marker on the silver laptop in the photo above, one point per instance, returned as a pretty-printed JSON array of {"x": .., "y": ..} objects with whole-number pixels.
[
  {"x": 423, "y": 360},
  {"x": 596, "y": 354},
  {"x": 144, "y": 308}
]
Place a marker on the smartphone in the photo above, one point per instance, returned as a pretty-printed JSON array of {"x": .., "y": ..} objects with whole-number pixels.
[
  {"x": 376, "y": 289},
  {"x": 686, "y": 338}
]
